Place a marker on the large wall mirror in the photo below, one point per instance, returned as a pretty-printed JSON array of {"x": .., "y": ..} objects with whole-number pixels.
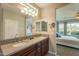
[{"x": 12, "y": 24}]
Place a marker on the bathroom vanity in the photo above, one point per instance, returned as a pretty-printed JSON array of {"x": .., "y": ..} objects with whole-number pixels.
[{"x": 38, "y": 46}]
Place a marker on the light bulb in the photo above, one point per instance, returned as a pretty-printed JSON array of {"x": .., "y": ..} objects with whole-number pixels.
[
  {"x": 26, "y": 12},
  {"x": 33, "y": 12},
  {"x": 33, "y": 15},
  {"x": 29, "y": 13},
  {"x": 25, "y": 9},
  {"x": 22, "y": 11}
]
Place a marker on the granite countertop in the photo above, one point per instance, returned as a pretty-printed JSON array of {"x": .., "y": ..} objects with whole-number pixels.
[{"x": 11, "y": 48}]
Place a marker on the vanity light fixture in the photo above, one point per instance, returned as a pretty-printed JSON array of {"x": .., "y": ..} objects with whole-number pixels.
[
  {"x": 29, "y": 9},
  {"x": 26, "y": 9},
  {"x": 26, "y": 12},
  {"x": 29, "y": 14},
  {"x": 22, "y": 11},
  {"x": 33, "y": 15}
]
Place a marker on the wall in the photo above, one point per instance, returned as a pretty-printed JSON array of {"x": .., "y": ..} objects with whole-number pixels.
[
  {"x": 1, "y": 23},
  {"x": 49, "y": 14},
  {"x": 14, "y": 24}
]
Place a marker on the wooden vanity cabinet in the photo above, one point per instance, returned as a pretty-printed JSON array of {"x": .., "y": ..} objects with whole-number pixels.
[
  {"x": 30, "y": 51},
  {"x": 45, "y": 47},
  {"x": 38, "y": 49}
]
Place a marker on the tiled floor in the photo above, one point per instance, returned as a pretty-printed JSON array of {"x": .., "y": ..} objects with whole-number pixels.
[{"x": 67, "y": 51}]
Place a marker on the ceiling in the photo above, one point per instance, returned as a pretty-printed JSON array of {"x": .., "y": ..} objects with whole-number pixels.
[
  {"x": 58, "y": 5},
  {"x": 68, "y": 12},
  {"x": 42, "y": 5},
  {"x": 16, "y": 7}
]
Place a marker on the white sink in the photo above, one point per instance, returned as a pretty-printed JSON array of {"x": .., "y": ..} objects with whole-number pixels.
[{"x": 19, "y": 44}]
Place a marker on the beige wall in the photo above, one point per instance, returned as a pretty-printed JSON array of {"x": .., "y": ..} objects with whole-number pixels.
[
  {"x": 49, "y": 13},
  {"x": 1, "y": 23},
  {"x": 14, "y": 23}
]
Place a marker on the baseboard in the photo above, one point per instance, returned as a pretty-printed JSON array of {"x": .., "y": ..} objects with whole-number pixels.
[{"x": 53, "y": 53}]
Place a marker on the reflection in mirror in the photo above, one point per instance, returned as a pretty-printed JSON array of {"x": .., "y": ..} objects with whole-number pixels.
[
  {"x": 38, "y": 27},
  {"x": 29, "y": 26},
  {"x": 12, "y": 23},
  {"x": 44, "y": 26},
  {"x": 41, "y": 26}
]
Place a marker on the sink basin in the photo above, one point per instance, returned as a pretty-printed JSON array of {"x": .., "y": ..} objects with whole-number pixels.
[{"x": 19, "y": 44}]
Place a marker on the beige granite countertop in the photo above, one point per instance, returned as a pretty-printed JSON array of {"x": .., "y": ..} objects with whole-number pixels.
[{"x": 11, "y": 48}]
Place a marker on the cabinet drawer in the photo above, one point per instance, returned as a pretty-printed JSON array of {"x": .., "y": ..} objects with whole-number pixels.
[{"x": 30, "y": 53}]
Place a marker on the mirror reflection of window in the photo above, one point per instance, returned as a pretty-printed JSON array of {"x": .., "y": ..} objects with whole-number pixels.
[
  {"x": 38, "y": 27},
  {"x": 73, "y": 29},
  {"x": 29, "y": 26},
  {"x": 44, "y": 26},
  {"x": 41, "y": 26},
  {"x": 11, "y": 28},
  {"x": 61, "y": 28}
]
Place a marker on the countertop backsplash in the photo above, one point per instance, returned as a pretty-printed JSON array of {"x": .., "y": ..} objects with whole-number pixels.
[{"x": 19, "y": 39}]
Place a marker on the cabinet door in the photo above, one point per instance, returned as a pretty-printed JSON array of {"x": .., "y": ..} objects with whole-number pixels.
[
  {"x": 38, "y": 49},
  {"x": 45, "y": 47},
  {"x": 26, "y": 51},
  {"x": 30, "y": 53}
]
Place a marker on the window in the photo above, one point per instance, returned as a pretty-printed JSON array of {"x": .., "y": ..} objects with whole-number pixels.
[
  {"x": 73, "y": 29},
  {"x": 61, "y": 28},
  {"x": 29, "y": 26},
  {"x": 41, "y": 26},
  {"x": 38, "y": 27},
  {"x": 70, "y": 29},
  {"x": 44, "y": 26}
]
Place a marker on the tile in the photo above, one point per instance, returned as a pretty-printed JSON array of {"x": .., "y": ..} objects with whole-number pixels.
[{"x": 67, "y": 51}]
